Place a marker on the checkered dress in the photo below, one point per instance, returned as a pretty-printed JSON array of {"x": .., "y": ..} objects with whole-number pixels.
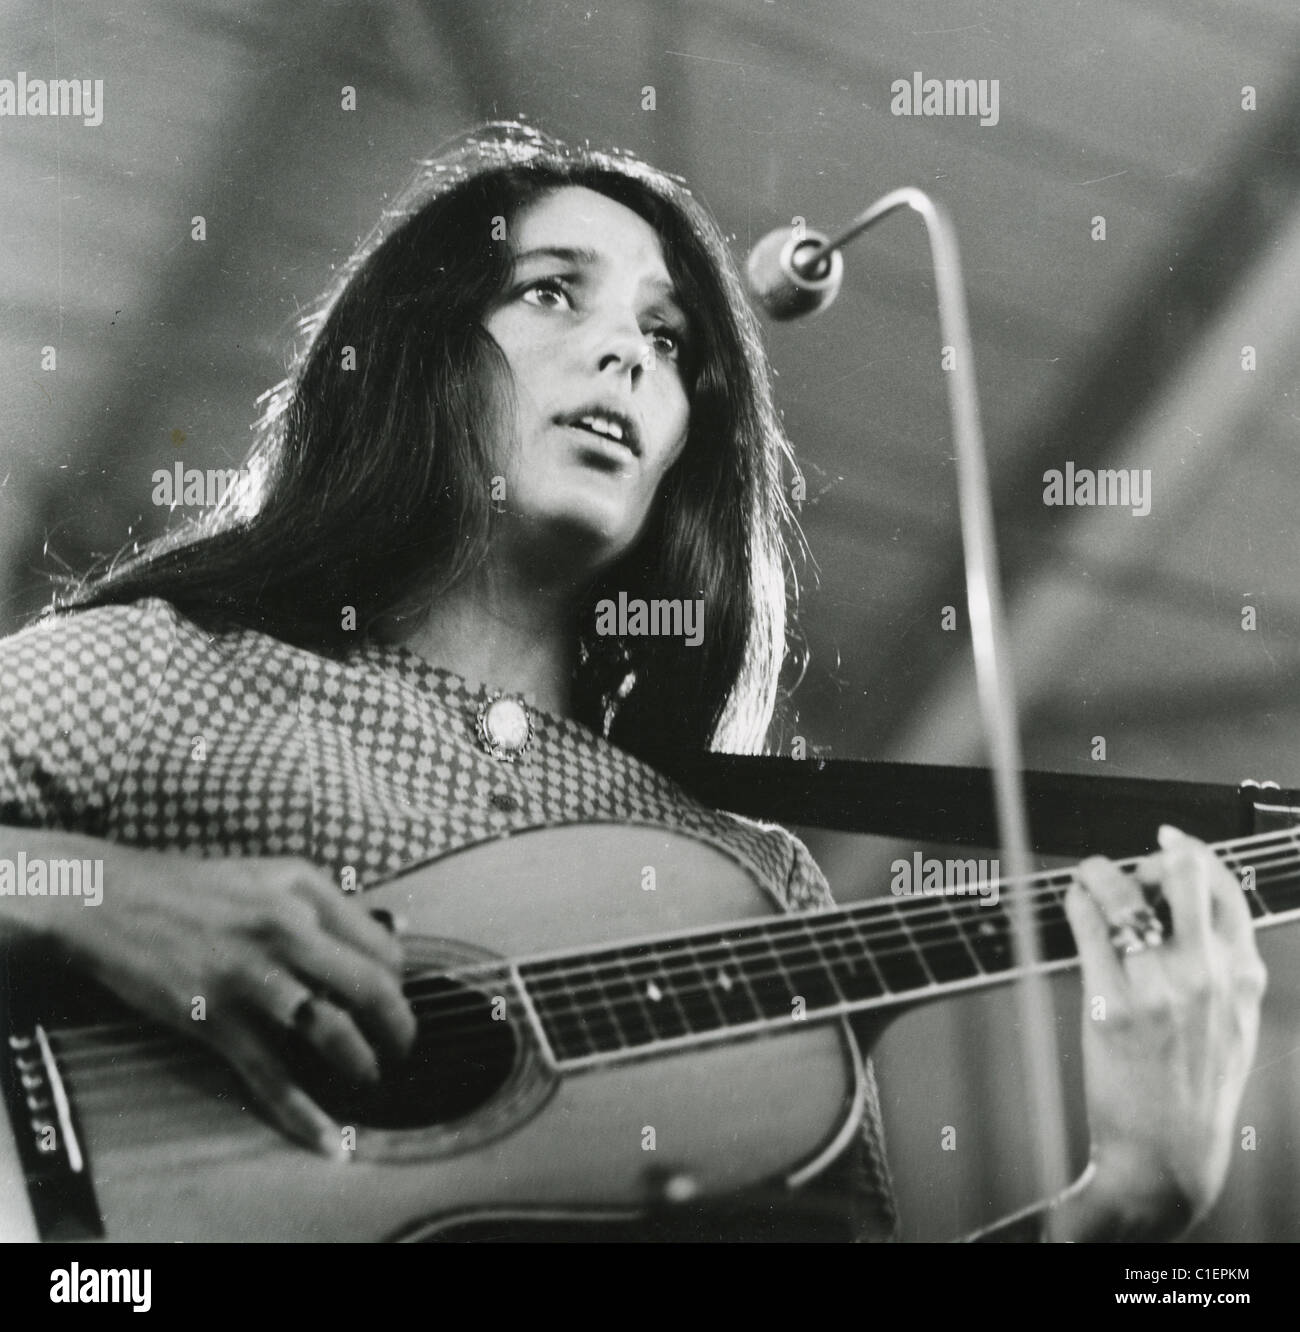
[{"x": 133, "y": 724}]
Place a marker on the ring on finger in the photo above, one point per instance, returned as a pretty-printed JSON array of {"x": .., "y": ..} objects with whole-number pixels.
[
  {"x": 1138, "y": 931},
  {"x": 297, "y": 1012}
]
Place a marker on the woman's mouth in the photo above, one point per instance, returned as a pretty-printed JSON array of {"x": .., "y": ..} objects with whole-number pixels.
[{"x": 609, "y": 426}]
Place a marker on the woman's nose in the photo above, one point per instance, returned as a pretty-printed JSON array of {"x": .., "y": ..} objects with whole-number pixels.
[{"x": 623, "y": 347}]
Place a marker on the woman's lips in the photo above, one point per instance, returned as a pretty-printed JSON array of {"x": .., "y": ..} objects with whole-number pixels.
[
  {"x": 600, "y": 446},
  {"x": 605, "y": 423}
]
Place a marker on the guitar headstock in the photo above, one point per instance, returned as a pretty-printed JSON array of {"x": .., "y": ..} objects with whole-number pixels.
[{"x": 1271, "y": 808}]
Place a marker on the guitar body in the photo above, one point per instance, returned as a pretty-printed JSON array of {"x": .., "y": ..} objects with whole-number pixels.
[{"x": 173, "y": 1150}]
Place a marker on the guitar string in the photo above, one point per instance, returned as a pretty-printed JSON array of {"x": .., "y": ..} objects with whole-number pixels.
[
  {"x": 631, "y": 1005},
  {"x": 856, "y": 919},
  {"x": 841, "y": 931},
  {"x": 693, "y": 1002},
  {"x": 834, "y": 929},
  {"x": 89, "y": 1087},
  {"x": 700, "y": 1023},
  {"x": 449, "y": 1011},
  {"x": 694, "y": 966},
  {"x": 905, "y": 919},
  {"x": 824, "y": 927}
]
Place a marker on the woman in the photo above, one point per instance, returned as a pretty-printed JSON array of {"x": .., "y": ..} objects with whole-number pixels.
[{"x": 538, "y": 389}]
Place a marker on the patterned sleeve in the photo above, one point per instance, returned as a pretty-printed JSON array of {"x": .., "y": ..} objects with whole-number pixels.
[
  {"x": 806, "y": 888},
  {"x": 74, "y": 691}
]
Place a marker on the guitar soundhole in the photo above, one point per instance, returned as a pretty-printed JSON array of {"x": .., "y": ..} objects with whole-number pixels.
[{"x": 460, "y": 1059}]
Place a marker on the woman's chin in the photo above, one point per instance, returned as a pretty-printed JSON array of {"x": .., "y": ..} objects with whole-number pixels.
[{"x": 590, "y": 536}]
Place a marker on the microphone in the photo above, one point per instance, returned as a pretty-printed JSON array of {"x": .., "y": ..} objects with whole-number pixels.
[{"x": 791, "y": 273}]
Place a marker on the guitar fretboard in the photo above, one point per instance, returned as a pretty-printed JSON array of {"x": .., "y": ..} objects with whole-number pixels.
[{"x": 887, "y": 952}]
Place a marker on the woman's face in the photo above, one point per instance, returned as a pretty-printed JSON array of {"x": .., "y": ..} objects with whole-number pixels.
[{"x": 591, "y": 327}]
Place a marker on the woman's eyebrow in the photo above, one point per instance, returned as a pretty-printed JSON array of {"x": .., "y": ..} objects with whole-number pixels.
[
  {"x": 666, "y": 292},
  {"x": 565, "y": 253}
]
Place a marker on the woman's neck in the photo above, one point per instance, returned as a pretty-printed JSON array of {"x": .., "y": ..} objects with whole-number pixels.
[{"x": 498, "y": 632}]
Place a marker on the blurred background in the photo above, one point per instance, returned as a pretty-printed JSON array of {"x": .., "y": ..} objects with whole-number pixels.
[{"x": 1170, "y": 345}]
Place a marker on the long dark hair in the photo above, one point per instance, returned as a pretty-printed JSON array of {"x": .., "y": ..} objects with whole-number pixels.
[{"x": 369, "y": 484}]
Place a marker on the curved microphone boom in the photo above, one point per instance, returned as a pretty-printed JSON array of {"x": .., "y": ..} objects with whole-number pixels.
[{"x": 793, "y": 273}]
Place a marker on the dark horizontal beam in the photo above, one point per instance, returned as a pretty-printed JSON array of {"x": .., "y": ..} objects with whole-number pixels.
[{"x": 1069, "y": 815}]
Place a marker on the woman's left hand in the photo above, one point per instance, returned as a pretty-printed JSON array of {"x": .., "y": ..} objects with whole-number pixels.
[{"x": 1169, "y": 1032}]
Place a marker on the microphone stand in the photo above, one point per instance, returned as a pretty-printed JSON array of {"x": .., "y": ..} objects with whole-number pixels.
[{"x": 992, "y": 667}]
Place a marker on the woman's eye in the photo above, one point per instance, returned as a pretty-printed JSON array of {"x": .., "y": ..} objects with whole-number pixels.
[
  {"x": 667, "y": 341},
  {"x": 547, "y": 293}
]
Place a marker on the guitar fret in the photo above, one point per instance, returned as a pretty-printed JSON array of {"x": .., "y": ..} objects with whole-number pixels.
[
  {"x": 692, "y": 989},
  {"x": 976, "y": 969},
  {"x": 1276, "y": 880},
  {"x": 555, "y": 1011},
  {"x": 947, "y": 955},
  {"x": 576, "y": 1023},
  {"x": 1291, "y": 901},
  {"x": 816, "y": 930},
  {"x": 599, "y": 1013},
  {"x": 737, "y": 1001},
  {"x": 988, "y": 935},
  {"x": 1287, "y": 879},
  {"x": 791, "y": 988},
  {"x": 768, "y": 981},
  {"x": 909, "y": 935},
  {"x": 636, "y": 1016},
  {"x": 800, "y": 968},
  {"x": 967, "y": 918},
  {"x": 702, "y": 957},
  {"x": 894, "y": 955},
  {"x": 1055, "y": 937},
  {"x": 657, "y": 993},
  {"x": 1249, "y": 875},
  {"x": 1274, "y": 891},
  {"x": 860, "y": 979},
  {"x": 901, "y": 917}
]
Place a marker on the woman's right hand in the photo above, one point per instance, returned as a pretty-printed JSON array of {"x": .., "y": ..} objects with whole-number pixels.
[{"x": 265, "y": 943}]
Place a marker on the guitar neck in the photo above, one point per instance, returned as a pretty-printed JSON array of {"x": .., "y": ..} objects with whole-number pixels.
[{"x": 696, "y": 987}]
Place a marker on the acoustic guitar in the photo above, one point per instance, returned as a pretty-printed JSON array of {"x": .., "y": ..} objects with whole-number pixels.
[{"x": 611, "y": 1023}]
